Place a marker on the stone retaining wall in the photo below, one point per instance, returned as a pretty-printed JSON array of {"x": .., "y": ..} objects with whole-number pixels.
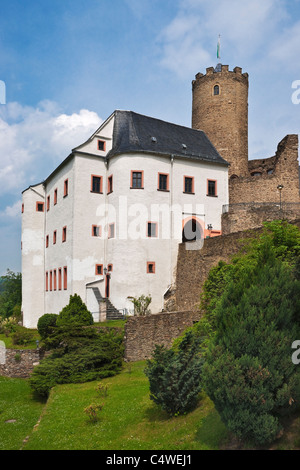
[
  {"x": 143, "y": 333},
  {"x": 19, "y": 363}
]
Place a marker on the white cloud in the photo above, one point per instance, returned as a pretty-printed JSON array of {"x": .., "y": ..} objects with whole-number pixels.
[
  {"x": 33, "y": 141},
  {"x": 12, "y": 211},
  {"x": 247, "y": 30}
]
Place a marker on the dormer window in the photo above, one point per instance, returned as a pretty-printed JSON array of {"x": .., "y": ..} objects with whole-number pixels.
[
  {"x": 216, "y": 90},
  {"x": 101, "y": 145}
]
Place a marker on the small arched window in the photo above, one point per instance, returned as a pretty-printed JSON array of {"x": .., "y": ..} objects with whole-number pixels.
[{"x": 216, "y": 90}]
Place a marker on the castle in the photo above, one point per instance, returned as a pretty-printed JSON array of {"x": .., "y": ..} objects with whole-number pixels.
[
  {"x": 259, "y": 190},
  {"x": 108, "y": 221}
]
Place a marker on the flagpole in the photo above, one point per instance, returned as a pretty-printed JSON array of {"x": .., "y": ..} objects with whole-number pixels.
[{"x": 219, "y": 48}]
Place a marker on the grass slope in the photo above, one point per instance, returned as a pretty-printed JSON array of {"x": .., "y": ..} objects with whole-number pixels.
[
  {"x": 17, "y": 404},
  {"x": 129, "y": 420}
]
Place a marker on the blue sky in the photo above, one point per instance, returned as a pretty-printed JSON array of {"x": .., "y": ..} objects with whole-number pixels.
[{"x": 68, "y": 64}]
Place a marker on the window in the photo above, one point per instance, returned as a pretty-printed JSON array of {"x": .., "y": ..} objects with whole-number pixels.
[
  {"x": 48, "y": 203},
  {"x": 216, "y": 90},
  {"x": 211, "y": 188},
  {"x": 150, "y": 267},
  {"x": 47, "y": 279},
  {"x": 163, "y": 182},
  {"x": 137, "y": 180},
  {"x": 54, "y": 279},
  {"x": 50, "y": 280},
  {"x": 59, "y": 278},
  {"x": 64, "y": 234},
  {"x": 54, "y": 237},
  {"x": 99, "y": 269},
  {"x": 101, "y": 145},
  {"x": 40, "y": 207},
  {"x": 96, "y": 184},
  {"x": 111, "y": 231},
  {"x": 55, "y": 197},
  {"x": 66, "y": 187},
  {"x": 65, "y": 278},
  {"x": 109, "y": 268},
  {"x": 188, "y": 185},
  {"x": 47, "y": 241},
  {"x": 152, "y": 230},
  {"x": 109, "y": 184},
  {"x": 22, "y": 208},
  {"x": 96, "y": 231}
]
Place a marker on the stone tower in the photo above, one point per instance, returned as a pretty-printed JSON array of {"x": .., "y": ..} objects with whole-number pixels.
[{"x": 220, "y": 109}]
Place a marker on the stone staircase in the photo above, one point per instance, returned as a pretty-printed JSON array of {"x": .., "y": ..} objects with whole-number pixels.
[{"x": 111, "y": 312}]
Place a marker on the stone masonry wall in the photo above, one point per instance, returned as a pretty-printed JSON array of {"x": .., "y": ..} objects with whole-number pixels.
[
  {"x": 22, "y": 368},
  {"x": 143, "y": 333},
  {"x": 193, "y": 266},
  {"x": 253, "y": 216},
  {"x": 263, "y": 187}
]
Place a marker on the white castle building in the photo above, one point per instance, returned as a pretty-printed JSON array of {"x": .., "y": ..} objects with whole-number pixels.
[{"x": 107, "y": 222}]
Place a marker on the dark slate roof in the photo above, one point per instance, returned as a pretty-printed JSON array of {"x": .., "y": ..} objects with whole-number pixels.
[{"x": 137, "y": 133}]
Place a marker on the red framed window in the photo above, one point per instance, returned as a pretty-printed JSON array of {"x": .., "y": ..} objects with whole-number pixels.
[
  {"x": 151, "y": 267},
  {"x": 51, "y": 277},
  {"x": 65, "y": 277},
  {"x": 152, "y": 230},
  {"x": 111, "y": 231},
  {"x": 163, "y": 182},
  {"x": 99, "y": 269},
  {"x": 110, "y": 184},
  {"x": 101, "y": 145},
  {"x": 110, "y": 268},
  {"x": 47, "y": 280},
  {"x": 96, "y": 230},
  {"x": 54, "y": 237},
  {"x": 47, "y": 241},
  {"x": 55, "y": 197},
  {"x": 48, "y": 203},
  {"x": 59, "y": 279},
  {"x": 188, "y": 185},
  {"x": 54, "y": 279},
  {"x": 39, "y": 206},
  {"x": 137, "y": 180},
  {"x": 66, "y": 187},
  {"x": 22, "y": 208},
  {"x": 96, "y": 184},
  {"x": 211, "y": 187},
  {"x": 64, "y": 234}
]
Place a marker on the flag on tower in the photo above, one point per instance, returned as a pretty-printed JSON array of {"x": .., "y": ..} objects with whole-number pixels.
[{"x": 219, "y": 49}]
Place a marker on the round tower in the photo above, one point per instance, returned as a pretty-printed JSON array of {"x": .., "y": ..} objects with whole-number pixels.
[{"x": 220, "y": 109}]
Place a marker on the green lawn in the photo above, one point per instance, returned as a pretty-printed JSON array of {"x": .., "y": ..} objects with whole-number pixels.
[
  {"x": 17, "y": 403},
  {"x": 129, "y": 420}
]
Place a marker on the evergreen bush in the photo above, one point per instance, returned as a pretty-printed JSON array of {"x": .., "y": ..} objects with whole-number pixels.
[
  {"x": 174, "y": 376},
  {"x": 79, "y": 354},
  {"x": 46, "y": 323},
  {"x": 75, "y": 312}
]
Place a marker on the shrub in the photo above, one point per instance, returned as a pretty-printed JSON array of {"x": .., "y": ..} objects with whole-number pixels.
[
  {"x": 141, "y": 304},
  {"x": 46, "y": 323},
  {"x": 249, "y": 374},
  {"x": 79, "y": 354},
  {"x": 22, "y": 337},
  {"x": 92, "y": 411},
  {"x": 75, "y": 312},
  {"x": 175, "y": 376}
]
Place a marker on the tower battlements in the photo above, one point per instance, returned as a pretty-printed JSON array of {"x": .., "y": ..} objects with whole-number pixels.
[{"x": 220, "y": 109}]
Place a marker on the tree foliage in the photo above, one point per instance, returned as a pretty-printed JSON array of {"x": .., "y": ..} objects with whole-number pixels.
[
  {"x": 249, "y": 374},
  {"x": 75, "y": 312},
  {"x": 175, "y": 376},
  {"x": 10, "y": 294},
  {"x": 78, "y": 354}
]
